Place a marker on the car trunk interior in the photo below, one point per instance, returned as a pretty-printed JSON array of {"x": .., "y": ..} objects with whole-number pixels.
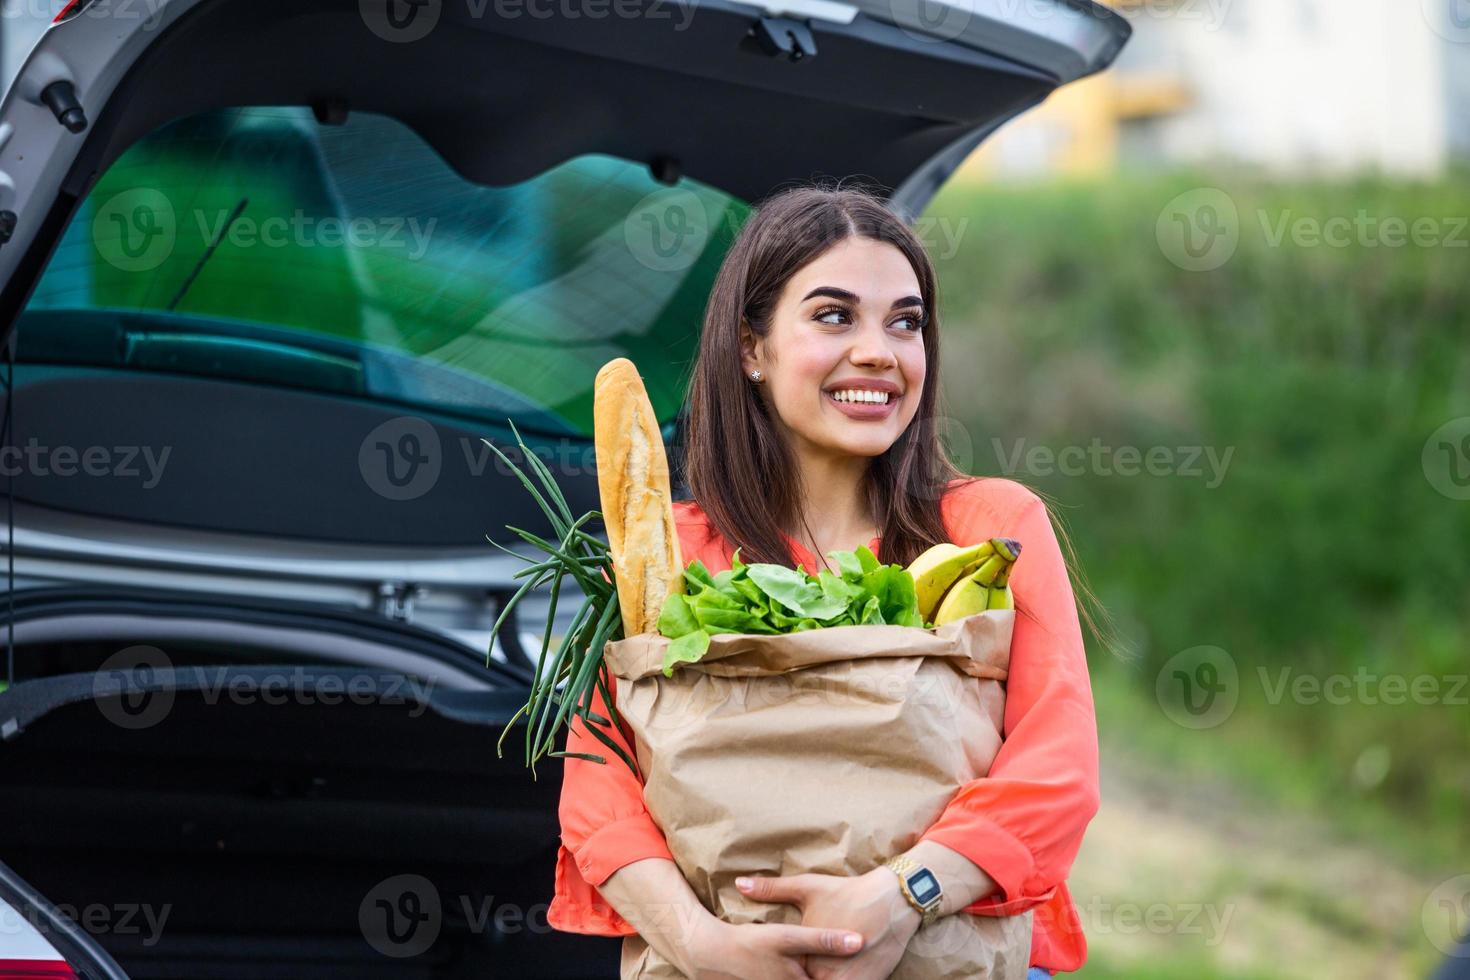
[{"x": 259, "y": 838}]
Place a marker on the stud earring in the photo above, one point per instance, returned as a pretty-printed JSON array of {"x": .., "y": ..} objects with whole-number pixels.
[{"x": 755, "y": 375}]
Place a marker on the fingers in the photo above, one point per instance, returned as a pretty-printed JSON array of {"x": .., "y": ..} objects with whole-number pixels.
[
  {"x": 794, "y": 940},
  {"x": 785, "y": 888}
]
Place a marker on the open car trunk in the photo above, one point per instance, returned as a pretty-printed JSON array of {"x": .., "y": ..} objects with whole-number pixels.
[
  {"x": 274, "y": 791},
  {"x": 250, "y": 715},
  {"x": 325, "y": 836}
]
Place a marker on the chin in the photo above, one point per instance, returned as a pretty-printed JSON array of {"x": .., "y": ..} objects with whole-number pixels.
[{"x": 874, "y": 445}]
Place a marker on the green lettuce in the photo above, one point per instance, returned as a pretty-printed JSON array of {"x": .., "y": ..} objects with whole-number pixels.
[{"x": 773, "y": 599}]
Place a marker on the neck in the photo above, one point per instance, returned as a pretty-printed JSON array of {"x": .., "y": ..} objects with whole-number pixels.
[{"x": 833, "y": 504}]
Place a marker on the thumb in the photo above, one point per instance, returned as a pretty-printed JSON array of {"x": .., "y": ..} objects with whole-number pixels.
[{"x": 776, "y": 888}]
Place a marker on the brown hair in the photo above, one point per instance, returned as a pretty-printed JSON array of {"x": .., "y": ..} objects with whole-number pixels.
[{"x": 735, "y": 462}]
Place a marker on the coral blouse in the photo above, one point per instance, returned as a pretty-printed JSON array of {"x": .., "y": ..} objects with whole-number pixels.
[{"x": 1022, "y": 824}]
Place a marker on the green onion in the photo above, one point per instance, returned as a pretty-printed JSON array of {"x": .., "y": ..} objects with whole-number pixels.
[{"x": 568, "y": 678}]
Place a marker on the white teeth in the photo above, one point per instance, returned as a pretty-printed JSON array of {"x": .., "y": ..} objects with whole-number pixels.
[{"x": 861, "y": 395}]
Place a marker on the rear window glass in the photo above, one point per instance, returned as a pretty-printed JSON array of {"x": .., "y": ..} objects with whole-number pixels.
[{"x": 260, "y": 245}]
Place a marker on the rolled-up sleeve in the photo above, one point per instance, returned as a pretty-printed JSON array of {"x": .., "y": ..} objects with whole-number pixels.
[
  {"x": 1023, "y": 823},
  {"x": 604, "y": 826}
]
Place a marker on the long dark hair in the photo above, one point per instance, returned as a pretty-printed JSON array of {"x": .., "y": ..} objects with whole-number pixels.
[
  {"x": 734, "y": 460},
  {"x": 736, "y": 464}
]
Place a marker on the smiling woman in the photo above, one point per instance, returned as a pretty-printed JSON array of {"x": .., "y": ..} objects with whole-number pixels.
[{"x": 810, "y": 431}]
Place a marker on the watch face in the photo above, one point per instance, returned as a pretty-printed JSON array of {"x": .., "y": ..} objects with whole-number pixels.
[{"x": 924, "y": 886}]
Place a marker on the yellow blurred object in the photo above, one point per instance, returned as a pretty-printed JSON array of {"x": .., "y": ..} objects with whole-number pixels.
[{"x": 1077, "y": 129}]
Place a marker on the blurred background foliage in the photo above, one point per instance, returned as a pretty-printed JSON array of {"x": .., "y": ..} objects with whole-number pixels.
[{"x": 1317, "y": 546}]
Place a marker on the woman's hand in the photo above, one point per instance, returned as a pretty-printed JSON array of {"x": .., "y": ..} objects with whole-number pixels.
[
  {"x": 871, "y": 904},
  {"x": 761, "y": 950}
]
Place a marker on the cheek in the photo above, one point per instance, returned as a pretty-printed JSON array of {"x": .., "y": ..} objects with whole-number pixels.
[
  {"x": 913, "y": 367},
  {"x": 808, "y": 366}
]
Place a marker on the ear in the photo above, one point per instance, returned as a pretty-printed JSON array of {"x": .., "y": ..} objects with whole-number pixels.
[{"x": 751, "y": 355}]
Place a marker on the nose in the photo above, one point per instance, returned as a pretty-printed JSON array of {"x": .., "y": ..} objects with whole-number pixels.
[{"x": 872, "y": 348}]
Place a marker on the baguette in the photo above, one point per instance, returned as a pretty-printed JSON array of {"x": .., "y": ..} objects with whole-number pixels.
[{"x": 637, "y": 503}]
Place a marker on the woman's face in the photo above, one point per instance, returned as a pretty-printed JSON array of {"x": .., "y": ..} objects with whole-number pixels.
[{"x": 846, "y": 328}]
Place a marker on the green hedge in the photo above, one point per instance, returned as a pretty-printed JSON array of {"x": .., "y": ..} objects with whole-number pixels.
[{"x": 1321, "y": 370}]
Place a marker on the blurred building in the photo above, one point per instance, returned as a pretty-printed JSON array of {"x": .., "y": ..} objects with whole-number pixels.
[{"x": 1292, "y": 86}]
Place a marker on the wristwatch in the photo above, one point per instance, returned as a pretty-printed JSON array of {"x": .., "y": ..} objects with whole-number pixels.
[{"x": 919, "y": 886}]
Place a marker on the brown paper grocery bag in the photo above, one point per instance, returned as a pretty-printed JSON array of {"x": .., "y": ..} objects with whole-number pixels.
[{"x": 825, "y": 751}]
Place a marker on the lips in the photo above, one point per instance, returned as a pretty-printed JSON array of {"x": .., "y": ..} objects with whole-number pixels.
[{"x": 863, "y": 411}]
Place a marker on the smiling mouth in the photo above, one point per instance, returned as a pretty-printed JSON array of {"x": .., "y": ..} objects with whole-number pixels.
[{"x": 850, "y": 396}]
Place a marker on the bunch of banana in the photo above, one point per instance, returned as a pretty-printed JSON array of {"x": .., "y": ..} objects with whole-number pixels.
[{"x": 954, "y": 582}]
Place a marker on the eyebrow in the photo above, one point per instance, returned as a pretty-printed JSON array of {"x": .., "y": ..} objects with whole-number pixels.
[{"x": 842, "y": 294}]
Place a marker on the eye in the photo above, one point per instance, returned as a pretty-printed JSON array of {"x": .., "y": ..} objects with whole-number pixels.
[
  {"x": 916, "y": 321},
  {"x": 826, "y": 311}
]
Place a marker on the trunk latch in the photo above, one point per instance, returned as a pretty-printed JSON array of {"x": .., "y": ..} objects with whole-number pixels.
[{"x": 782, "y": 35}]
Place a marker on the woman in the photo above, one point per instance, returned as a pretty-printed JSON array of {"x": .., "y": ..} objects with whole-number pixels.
[{"x": 811, "y": 429}]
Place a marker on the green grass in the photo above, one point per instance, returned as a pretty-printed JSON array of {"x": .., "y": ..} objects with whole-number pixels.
[{"x": 1324, "y": 547}]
